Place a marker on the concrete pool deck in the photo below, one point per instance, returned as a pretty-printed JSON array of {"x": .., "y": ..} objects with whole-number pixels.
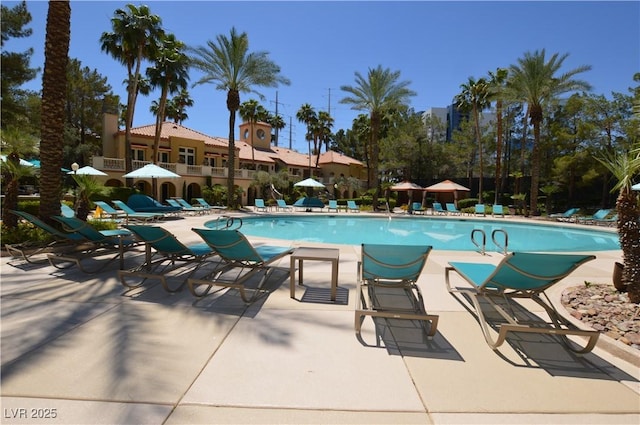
[{"x": 81, "y": 348}]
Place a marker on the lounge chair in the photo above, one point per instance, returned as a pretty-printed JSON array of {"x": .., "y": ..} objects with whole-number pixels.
[
  {"x": 497, "y": 209},
  {"x": 188, "y": 206},
  {"x": 259, "y": 205},
  {"x": 183, "y": 209},
  {"x": 519, "y": 275},
  {"x": 607, "y": 221},
  {"x": 144, "y": 216},
  {"x": 282, "y": 205},
  {"x": 66, "y": 210},
  {"x": 239, "y": 255},
  {"x": 144, "y": 203},
  {"x": 479, "y": 210},
  {"x": 352, "y": 206},
  {"x": 451, "y": 209},
  {"x": 565, "y": 216},
  {"x": 590, "y": 219},
  {"x": 210, "y": 207},
  {"x": 170, "y": 254},
  {"x": 109, "y": 211},
  {"x": 416, "y": 208},
  {"x": 333, "y": 205},
  {"x": 387, "y": 285},
  {"x": 29, "y": 251},
  {"x": 103, "y": 241},
  {"x": 437, "y": 209}
]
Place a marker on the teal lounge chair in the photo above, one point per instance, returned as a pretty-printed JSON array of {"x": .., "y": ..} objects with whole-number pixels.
[
  {"x": 282, "y": 205},
  {"x": 144, "y": 216},
  {"x": 437, "y": 209},
  {"x": 186, "y": 205},
  {"x": 479, "y": 210},
  {"x": 451, "y": 209},
  {"x": 169, "y": 254},
  {"x": 109, "y": 211},
  {"x": 210, "y": 207},
  {"x": 352, "y": 206},
  {"x": 565, "y": 216},
  {"x": 259, "y": 205},
  {"x": 30, "y": 251},
  {"x": 607, "y": 221},
  {"x": 333, "y": 205},
  {"x": 387, "y": 286},
  {"x": 185, "y": 209},
  {"x": 519, "y": 275},
  {"x": 416, "y": 208},
  {"x": 239, "y": 256},
  {"x": 144, "y": 203},
  {"x": 66, "y": 210},
  {"x": 103, "y": 241},
  {"x": 590, "y": 219},
  {"x": 497, "y": 209}
]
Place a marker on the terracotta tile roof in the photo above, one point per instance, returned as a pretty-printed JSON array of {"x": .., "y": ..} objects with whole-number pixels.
[
  {"x": 291, "y": 157},
  {"x": 332, "y": 157},
  {"x": 170, "y": 130},
  {"x": 259, "y": 155}
]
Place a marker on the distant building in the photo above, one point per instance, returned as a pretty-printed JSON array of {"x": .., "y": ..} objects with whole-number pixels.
[{"x": 452, "y": 118}]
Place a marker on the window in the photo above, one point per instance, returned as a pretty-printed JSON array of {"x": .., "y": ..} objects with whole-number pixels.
[
  {"x": 137, "y": 154},
  {"x": 261, "y": 134},
  {"x": 187, "y": 156},
  {"x": 163, "y": 156}
]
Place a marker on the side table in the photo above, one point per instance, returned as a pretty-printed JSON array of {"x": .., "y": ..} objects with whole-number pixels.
[{"x": 314, "y": 254}]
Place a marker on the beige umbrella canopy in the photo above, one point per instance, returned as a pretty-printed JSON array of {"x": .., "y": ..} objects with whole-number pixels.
[
  {"x": 405, "y": 185},
  {"x": 447, "y": 186}
]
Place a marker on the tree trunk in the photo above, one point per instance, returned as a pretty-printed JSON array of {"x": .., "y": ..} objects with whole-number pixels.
[{"x": 233, "y": 103}]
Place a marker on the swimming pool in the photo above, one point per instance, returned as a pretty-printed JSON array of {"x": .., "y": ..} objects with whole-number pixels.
[{"x": 441, "y": 233}]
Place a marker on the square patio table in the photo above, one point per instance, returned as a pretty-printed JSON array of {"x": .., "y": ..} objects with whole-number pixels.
[{"x": 314, "y": 254}]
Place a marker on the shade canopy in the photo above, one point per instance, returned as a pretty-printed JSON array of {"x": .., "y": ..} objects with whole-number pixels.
[
  {"x": 23, "y": 162},
  {"x": 151, "y": 171},
  {"x": 447, "y": 186},
  {"x": 309, "y": 183},
  {"x": 635, "y": 186},
  {"x": 406, "y": 185},
  {"x": 87, "y": 170}
]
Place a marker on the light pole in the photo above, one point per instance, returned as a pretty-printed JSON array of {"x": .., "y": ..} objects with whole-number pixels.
[{"x": 74, "y": 168}]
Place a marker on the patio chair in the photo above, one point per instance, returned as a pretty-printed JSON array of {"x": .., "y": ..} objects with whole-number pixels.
[
  {"x": 103, "y": 241},
  {"x": 416, "y": 208},
  {"x": 186, "y": 205},
  {"x": 151, "y": 216},
  {"x": 144, "y": 203},
  {"x": 109, "y": 211},
  {"x": 607, "y": 221},
  {"x": 437, "y": 209},
  {"x": 240, "y": 256},
  {"x": 525, "y": 276},
  {"x": 205, "y": 204},
  {"x": 387, "y": 285},
  {"x": 590, "y": 219},
  {"x": 333, "y": 205},
  {"x": 479, "y": 210},
  {"x": 170, "y": 254},
  {"x": 352, "y": 206},
  {"x": 282, "y": 205},
  {"x": 185, "y": 209},
  {"x": 497, "y": 209},
  {"x": 565, "y": 216},
  {"x": 66, "y": 210},
  {"x": 451, "y": 209},
  {"x": 29, "y": 251},
  {"x": 259, "y": 205}
]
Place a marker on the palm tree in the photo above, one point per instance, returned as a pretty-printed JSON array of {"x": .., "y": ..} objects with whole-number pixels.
[
  {"x": 228, "y": 63},
  {"x": 15, "y": 143},
  {"x": 54, "y": 90},
  {"x": 325, "y": 122},
  {"x": 134, "y": 38},
  {"x": 176, "y": 106},
  {"x": 497, "y": 82},
  {"x": 277, "y": 123},
  {"x": 625, "y": 167},
  {"x": 377, "y": 93},
  {"x": 169, "y": 72},
  {"x": 251, "y": 111},
  {"x": 535, "y": 81},
  {"x": 307, "y": 115},
  {"x": 475, "y": 97}
]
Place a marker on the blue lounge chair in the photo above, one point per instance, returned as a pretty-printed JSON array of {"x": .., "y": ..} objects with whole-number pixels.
[
  {"x": 109, "y": 211},
  {"x": 497, "y": 209},
  {"x": 169, "y": 254},
  {"x": 308, "y": 203},
  {"x": 451, "y": 209},
  {"x": 416, "y": 208},
  {"x": 282, "y": 205},
  {"x": 240, "y": 256},
  {"x": 437, "y": 209},
  {"x": 565, "y": 216},
  {"x": 519, "y": 275},
  {"x": 103, "y": 241},
  {"x": 387, "y": 285},
  {"x": 259, "y": 205},
  {"x": 66, "y": 210},
  {"x": 151, "y": 216},
  {"x": 144, "y": 203},
  {"x": 590, "y": 219},
  {"x": 607, "y": 221},
  {"x": 333, "y": 205},
  {"x": 30, "y": 251},
  {"x": 183, "y": 209},
  {"x": 479, "y": 210},
  {"x": 210, "y": 207},
  {"x": 184, "y": 204},
  {"x": 352, "y": 206}
]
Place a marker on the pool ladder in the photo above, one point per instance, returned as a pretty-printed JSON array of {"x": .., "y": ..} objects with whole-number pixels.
[
  {"x": 227, "y": 223},
  {"x": 482, "y": 246}
]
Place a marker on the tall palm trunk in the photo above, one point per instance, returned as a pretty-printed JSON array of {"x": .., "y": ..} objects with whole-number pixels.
[
  {"x": 233, "y": 103},
  {"x": 375, "y": 154},
  {"x": 54, "y": 90},
  {"x": 476, "y": 116},
  {"x": 536, "y": 120},
  {"x": 629, "y": 233},
  {"x": 498, "y": 192}
]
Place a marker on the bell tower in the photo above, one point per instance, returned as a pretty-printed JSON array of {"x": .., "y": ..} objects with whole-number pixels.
[{"x": 257, "y": 134}]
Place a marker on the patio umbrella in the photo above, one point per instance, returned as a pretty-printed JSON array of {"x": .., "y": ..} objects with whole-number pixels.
[
  {"x": 153, "y": 172},
  {"x": 409, "y": 187},
  {"x": 309, "y": 183},
  {"x": 447, "y": 186},
  {"x": 635, "y": 186},
  {"x": 23, "y": 162},
  {"x": 87, "y": 170}
]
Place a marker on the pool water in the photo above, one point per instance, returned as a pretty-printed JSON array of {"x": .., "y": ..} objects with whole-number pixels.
[{"x": 441, "y": 233}]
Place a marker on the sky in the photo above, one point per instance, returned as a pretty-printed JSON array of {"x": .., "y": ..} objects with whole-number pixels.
[{"x": 320, "y": 45}]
